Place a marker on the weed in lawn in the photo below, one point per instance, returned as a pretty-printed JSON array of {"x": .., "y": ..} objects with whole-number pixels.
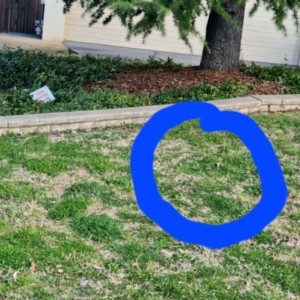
[
  {"x": 40, "y": 293},
  {"x": 48, "y": 165},
  {"x": 97, "y": 227},
  {"x": 5, "y": 169},
  {"x": 61, "y": 156},
  {"x": 223, "y": 208},
  {"x": 265, "y": 237},
  {"x": 66, "y": 149},
  {"x": 10, "y": 149},
  {"x": 253, "y": 190},
  {"x": 135, "y": 257},
  {"x": 18, "y": 191},
  {"x": 69, "y": 207},
  {"x": 295, "y": 216},
  {"x": 36, "y": 144},
  {"x": 94, "y": 161},
  {"x": 19, "y": 249}
]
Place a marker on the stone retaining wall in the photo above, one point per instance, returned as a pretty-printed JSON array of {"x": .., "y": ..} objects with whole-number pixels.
[{"x": 84, "y": 120}]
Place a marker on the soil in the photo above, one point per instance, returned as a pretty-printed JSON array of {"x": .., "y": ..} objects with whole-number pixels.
[{"x": 151, "y": 82}]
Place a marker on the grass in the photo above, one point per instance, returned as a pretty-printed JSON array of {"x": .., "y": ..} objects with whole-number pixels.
[
  {"x": 70, "y": 227},
  {"x": 22, "y": 72}
]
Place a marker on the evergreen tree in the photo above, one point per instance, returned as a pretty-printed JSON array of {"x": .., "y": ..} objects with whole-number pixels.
[{"x": 223, "y": 31}]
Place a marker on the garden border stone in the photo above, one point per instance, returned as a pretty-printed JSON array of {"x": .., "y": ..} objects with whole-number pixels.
[{"x": 87, "y": 120}]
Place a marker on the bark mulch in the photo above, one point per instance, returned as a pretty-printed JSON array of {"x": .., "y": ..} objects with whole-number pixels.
[{"x": 151, "y": 82}]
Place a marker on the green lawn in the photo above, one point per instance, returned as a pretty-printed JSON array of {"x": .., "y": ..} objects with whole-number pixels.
[{"x": 71, "y": 228}]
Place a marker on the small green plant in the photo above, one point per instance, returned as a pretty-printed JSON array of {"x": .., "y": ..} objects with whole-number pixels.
[
  {"x": 69, "y": 207},
  {"x": 253, "y": 190},
  {"x": 102, "y": 192},
  {"x": 19, "y": 248},
  {"x": 47, "y": 165},
  {"x": 97, "y": 227},
  {"x": 265, "y": 237},
  {"x": 18, "y": 191}
]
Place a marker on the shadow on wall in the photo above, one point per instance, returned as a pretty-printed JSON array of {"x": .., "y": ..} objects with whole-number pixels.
[{"x": 131, "y": 53}]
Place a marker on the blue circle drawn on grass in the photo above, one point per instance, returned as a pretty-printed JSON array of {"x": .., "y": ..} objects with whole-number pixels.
[{"x": 274, "y": 189}]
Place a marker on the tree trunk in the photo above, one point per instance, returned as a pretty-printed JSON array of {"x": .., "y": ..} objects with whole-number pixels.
[{"x": 223, "y": 39}]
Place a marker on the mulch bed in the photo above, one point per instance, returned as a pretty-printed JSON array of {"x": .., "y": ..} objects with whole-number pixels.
[{"x": 151, "y": 82}]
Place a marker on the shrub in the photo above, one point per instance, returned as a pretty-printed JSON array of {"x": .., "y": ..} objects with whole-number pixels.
[
  {"x": 289, "y": 76},
  {"x": 22, "y": 72}
]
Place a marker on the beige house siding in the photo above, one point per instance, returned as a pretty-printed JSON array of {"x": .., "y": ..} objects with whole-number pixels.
[
  {"x": 261, "y": 42},
  {"x": 114, "y": 34}
]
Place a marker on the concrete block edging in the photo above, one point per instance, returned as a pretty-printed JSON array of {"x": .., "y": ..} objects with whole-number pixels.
[{"x": 87, "y": 120}]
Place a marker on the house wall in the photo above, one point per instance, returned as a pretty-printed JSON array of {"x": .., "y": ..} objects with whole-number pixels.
[
  {"x": 114, "y": 34},
  {"x": 54, "y": 21},
  {"x": 261, "y": 42}
]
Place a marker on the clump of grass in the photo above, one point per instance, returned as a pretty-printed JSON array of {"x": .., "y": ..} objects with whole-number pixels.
[
  {"x": 19, "y": 248},
  {"x": 18, "y": 191},
  {"x": 48, "y": 165},
  {"x": 97, "y": 227},
  {"x": 69, "y": 207}
]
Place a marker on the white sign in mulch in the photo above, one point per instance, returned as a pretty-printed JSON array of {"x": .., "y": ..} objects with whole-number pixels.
[{"x": 43, "y": 94}]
